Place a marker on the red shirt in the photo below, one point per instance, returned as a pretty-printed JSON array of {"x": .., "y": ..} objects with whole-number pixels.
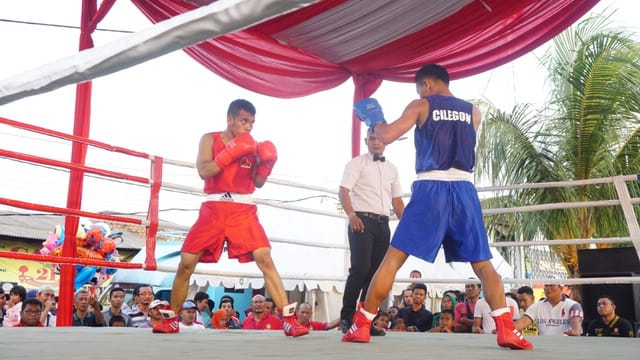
[
  {"x": 22, "y": 325},
  {"x": 315, "y": 325},
  {"x": 237, "y": 177},
  {"x": 268, "y": 322}
]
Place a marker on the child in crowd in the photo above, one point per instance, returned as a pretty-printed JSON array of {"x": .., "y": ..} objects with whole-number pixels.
[
  {"x": 446, "y": 322},
  {"x": 117, "y": 321},
  {"x": 400, "y": 325},
  {"x": 380, "y": 324}
]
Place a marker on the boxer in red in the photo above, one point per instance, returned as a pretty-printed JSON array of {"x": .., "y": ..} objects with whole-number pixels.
[{"x": 232, "y": 165}]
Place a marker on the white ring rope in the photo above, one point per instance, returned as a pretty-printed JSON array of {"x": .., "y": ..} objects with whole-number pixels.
[
  {"x": 531, "y": 282},
  {"x": 550, "y": 206},
  {"x": 612, "y": 240},
  {"x": 627, "y": 205},
  {"x": 619, "y": 181},
  {"x": 625, "y": 201},
  {"x": 557, "y": 184}
]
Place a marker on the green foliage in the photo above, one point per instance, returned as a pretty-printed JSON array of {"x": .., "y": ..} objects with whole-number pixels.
[{"x": 589, "y": 128}]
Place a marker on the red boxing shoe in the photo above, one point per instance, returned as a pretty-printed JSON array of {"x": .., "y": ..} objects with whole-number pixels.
[
  {"x": 170, "y": 323},
  {"x": 508, "y": 335},
  {"x": 289, "y": 322},
  {"x": 360, "y": 331}
]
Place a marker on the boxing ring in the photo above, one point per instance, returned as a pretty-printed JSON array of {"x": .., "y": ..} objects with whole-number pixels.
[
  {"x": 73, "y": 343},
  {"x": 155, "y": 184},
  {"x": 106, "y": 343}
]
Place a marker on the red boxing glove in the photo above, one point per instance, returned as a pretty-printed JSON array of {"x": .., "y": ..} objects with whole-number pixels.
[
  {"x": 268, "y": 156},
  {"x": 237, "y": 147}
]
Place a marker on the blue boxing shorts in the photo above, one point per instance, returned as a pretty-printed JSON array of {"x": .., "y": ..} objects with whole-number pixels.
[{"x": 446, "y": 213}]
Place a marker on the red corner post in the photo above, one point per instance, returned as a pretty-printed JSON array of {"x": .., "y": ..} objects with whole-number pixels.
[
  {"x": 365, "y": 86},
  {"x": 88, "y": 22}
]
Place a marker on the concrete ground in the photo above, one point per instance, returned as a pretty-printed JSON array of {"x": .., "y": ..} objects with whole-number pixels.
[{"x": 71, "y": 343}]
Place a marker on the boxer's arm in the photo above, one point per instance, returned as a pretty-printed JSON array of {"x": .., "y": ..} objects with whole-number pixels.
[
  {"x": 205, "y": 164},
  {"x": 415, "y": 113},
  {"x": 234, "y": 149},
  {"x": 476, "y": 115},
  {"x": 267, "y": 155},
  {"x": 258, "y": 180}
]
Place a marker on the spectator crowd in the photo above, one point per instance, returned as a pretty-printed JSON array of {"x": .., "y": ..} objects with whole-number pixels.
[{"x": 459, "y": 312}]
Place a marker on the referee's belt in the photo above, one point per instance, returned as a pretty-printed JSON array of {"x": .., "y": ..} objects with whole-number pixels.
[{"x": 372, "y": 216}]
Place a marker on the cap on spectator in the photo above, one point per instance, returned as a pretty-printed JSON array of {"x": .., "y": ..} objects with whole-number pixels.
[
  {"x": 116, "y": 235},
  {"x": 226, "y": 298},
  {"x": 557, "y": 277},
  {"x": 189, "y": 305},
  {"x": 156, "y": 303},
  {"x": 46, "y": 288},
  {"x": 32, "y": 293}
]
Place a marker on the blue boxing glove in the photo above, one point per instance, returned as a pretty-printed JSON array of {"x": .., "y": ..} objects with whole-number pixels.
[{"x": 369, "y": 111}]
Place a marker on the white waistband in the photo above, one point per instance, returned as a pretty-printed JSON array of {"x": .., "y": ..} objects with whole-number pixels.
[
  {"x": 446, "y": 175},
  {"x": 232, "y": 197}
]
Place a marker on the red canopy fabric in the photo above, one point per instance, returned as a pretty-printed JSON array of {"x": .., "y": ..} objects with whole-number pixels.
[{"x": 322, "y": 45}]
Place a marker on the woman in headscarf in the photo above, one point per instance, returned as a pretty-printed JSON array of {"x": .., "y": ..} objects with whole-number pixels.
[
  {"x": 219, "y": 319},
  {"x": 226, "y": 304},
  {"x": 448, "y": 302}
]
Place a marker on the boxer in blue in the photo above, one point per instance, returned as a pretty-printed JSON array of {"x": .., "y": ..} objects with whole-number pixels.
[{"x": 444, "y": 209}]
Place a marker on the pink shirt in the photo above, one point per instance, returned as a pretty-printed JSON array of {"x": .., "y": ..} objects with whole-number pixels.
[
  {"x": 13, "y": 315},
  {"x": 460, "y": 311}
]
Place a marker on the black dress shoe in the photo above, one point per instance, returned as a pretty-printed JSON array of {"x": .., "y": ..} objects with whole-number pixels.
[{"x": 345, "y": 325}]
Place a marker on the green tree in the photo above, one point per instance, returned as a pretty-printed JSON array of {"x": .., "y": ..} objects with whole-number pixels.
[{"x": 589, "y": 128}]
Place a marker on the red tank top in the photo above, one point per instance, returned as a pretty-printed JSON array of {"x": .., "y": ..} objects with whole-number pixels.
[{"x": 237, "y": 177}]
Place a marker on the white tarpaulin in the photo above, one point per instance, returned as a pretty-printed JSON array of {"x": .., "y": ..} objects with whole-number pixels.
[{"x": 220, "y": 17}]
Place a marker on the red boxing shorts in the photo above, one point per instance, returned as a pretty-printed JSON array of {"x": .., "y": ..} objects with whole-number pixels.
[
  {"x": 446, "y": 213},
  {"x": 225, "y": 221}
]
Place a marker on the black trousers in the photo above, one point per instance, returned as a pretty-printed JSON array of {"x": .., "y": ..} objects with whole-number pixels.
[{"x": 367, "y": 251}]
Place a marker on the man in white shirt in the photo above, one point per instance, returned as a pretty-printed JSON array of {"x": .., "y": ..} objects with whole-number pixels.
[
  {"x": 555, "y": 315},
  {"x": 47, "y": 297},
  {"x": 369, "y": 189},
  {"x": 483, "y": 323},
  {"x": 189, "y": 311}
]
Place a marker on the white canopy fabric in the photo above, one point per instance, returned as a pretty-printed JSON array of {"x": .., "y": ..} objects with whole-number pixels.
[{"x": 220, "y": 17}]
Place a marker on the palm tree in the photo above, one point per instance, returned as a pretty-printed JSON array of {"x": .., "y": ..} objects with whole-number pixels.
[{"x": 589, "y": 128}]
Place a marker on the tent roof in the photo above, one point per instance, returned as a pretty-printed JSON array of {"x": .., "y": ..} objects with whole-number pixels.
[
  {"x": 321, "y": 45},
  {"x": 37, "y": 226}
]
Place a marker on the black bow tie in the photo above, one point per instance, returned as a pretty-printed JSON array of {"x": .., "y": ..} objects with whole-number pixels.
[{"x": 378, "y": 158}]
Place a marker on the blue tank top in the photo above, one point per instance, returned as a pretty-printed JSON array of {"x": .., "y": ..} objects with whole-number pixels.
[{"x": 447, "y": 139}]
